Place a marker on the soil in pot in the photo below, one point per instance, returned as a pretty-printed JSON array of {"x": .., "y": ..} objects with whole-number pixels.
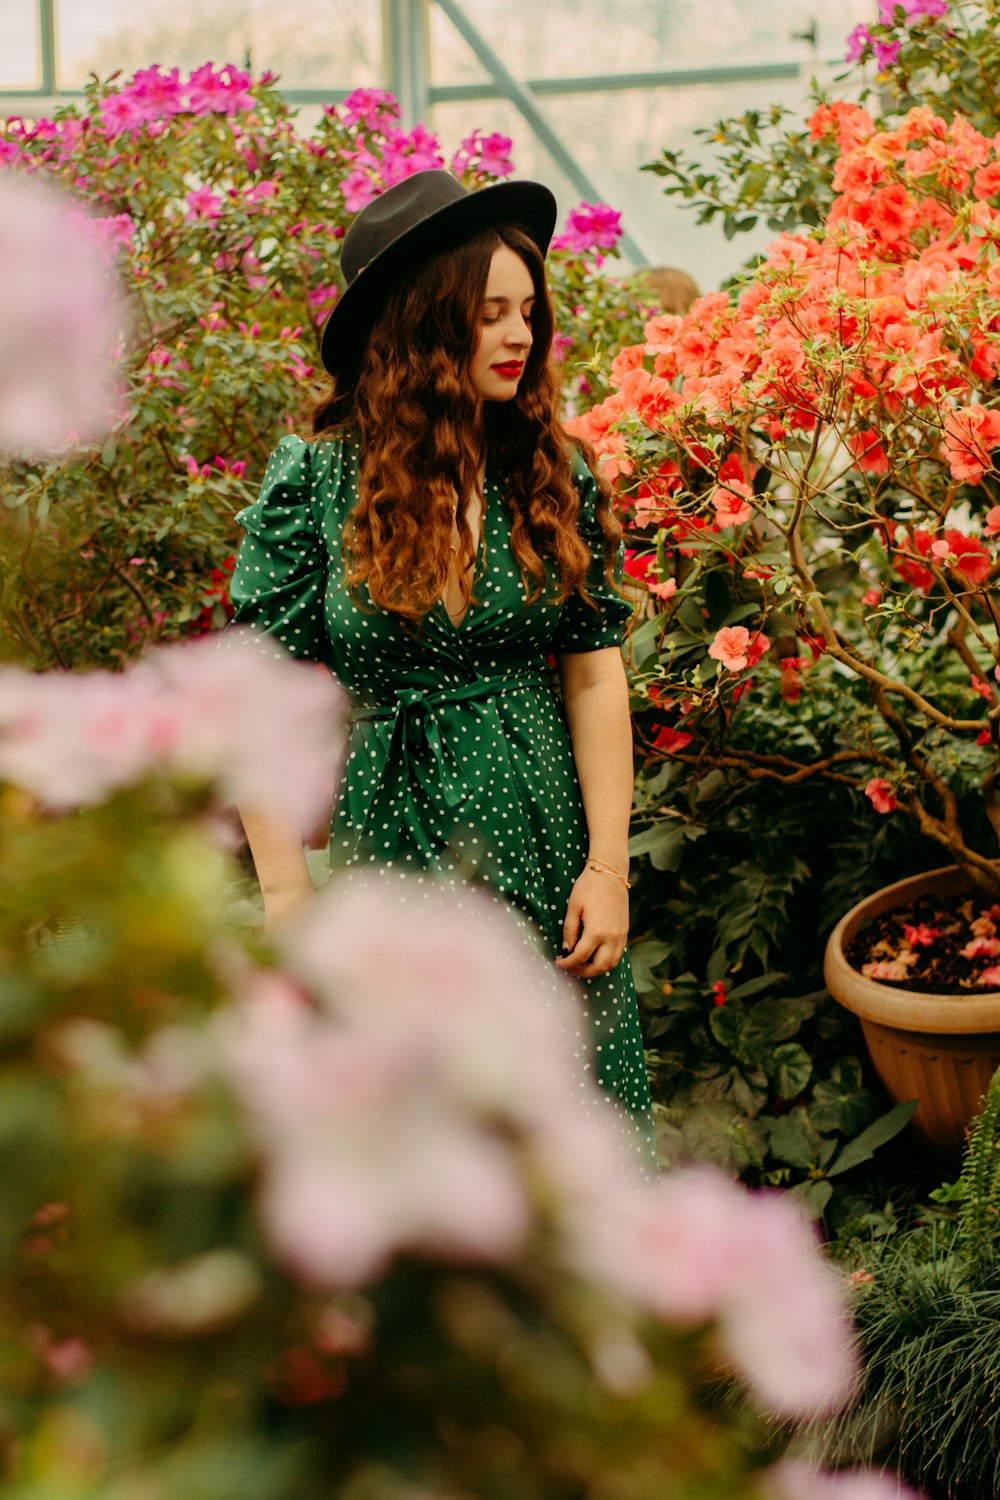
[{"x": 946, "y": 944}]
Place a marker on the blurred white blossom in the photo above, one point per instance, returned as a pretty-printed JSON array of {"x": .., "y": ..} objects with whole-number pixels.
[{"x": 266, "y": 730}]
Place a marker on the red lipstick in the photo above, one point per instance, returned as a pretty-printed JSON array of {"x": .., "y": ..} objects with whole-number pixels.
[{"x": 510, "y": 370}]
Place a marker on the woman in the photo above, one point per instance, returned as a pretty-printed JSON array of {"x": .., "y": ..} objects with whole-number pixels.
[{"x": 435, "y": 545}]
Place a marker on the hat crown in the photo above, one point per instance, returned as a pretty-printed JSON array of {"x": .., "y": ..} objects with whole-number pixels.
[{"x": 394, "y": 213}]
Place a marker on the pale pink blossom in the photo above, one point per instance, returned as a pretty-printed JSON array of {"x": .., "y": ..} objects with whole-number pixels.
[
  {"x": 447, "y": 973},
  {"x": 699, "y": 1249},
  {"x": 63, "y": 323},
  {"x": 663, "y": 590},
  {"x": 377, "y": 1110},
  {"x": 261, "y": 728},
  {"x": 731, "y": 647},
  {"x": 797, "y": 1480},
  {"x": 889, "y": 969},
  {"x": 989, "y": 978},
  {"x": 992, "y": 525},
  {"x": 981, "y": 947}
]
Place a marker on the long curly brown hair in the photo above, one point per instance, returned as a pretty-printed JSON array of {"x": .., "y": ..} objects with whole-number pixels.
[{"x": 423, "y": 432}]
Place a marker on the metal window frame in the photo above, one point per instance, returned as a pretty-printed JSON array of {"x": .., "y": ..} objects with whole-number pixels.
[{"x": 407, "y": 74}]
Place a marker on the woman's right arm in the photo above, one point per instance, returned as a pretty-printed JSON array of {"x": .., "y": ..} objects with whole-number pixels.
[{"x": 277, "y": 590}]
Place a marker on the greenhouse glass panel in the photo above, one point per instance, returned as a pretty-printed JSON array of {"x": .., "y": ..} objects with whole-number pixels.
[
  {"x": 20, "y": 58},
  {"x": 309, "y": 43},
  {"x": 573, "y": 38}
]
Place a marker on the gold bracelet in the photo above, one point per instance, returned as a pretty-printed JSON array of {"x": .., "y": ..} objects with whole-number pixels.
[{"x": 599, "y": 864}]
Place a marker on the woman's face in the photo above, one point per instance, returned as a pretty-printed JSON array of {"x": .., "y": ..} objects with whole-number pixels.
[{"x": 504, "y": 327}]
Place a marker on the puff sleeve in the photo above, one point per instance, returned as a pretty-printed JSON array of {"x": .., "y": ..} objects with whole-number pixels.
[
  {"x": 582, "y": 627},
  {"x": 279, "y": 581}
]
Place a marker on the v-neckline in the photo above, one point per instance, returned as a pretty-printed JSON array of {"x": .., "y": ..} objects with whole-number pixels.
[{"x": 480, "y": 571}]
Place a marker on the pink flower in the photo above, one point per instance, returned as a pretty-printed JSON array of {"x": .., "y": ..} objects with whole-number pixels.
[
  {"x": 989, "y": 978},
  {"x": 889, "y": 968},
  {"x": 732, "y": 503},
  {"x": 858, "y": 41},
  {"x": 224, "y": 92},
  {"x": 591, "y": 226},
  {"x": 733, "y": 647},
  {"x": 663, "y": 590},
  {"x": 885, "y": 53},
  {"x": 697, "y": 1248},
  {"x": 194, "y": 710},
  {"x": 981, "y": 947},
  {"x": 203, "y": 203},
  {"x": 121, "y": 113},
  {"x": 488, "y": 155},
  {"x": 372, "y": 108},
  {"x": 796, "y": 1480},
  {"x": 407, "y": 152},
  {"x": 156, "y": 95},
  {"x": 358, "y": 190},
  {"x": 881, "y": 795},
  {"x": 992, "y": 526},
  {"x": 62, "y": 312},
  {"x": 111, "y": 232},
  {"x": 388, "y": 1113}
]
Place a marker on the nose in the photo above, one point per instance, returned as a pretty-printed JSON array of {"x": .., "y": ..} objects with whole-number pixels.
[{"x": 519, "y": 333}]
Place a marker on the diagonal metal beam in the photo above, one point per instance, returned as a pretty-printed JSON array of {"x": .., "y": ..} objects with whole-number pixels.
[{"x": 524, "y": 101}]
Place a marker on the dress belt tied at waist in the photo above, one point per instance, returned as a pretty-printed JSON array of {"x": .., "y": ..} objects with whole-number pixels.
[{"x": 416, "y": 752}]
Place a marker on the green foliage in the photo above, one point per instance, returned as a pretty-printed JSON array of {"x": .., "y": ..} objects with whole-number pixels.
[
  {"x": 928, "y": 1317},
  {"x": 760, "y": 167},
  {"x": 979, "y": 1188}
]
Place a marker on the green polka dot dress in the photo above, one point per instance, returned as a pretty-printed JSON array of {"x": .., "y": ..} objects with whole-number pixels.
[{"x": 460, "y": 756}]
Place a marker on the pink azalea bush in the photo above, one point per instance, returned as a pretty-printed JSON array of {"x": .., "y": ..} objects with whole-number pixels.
[
  {"x": 221, "y": 219},
  {"x": 815, "y": 454},
  {"x": 258, "y": 1196}
]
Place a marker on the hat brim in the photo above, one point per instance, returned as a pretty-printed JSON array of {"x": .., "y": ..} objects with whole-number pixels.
[{"x": 525, "y": 205}]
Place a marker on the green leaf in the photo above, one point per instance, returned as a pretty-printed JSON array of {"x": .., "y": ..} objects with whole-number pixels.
[
  {"x": 792, "y": 1141},
  {"x": 792, "y": 1067},
  {"x": 813, "y": 1195},
  {"x": 878, "y": 1133},
  {"x": 646, "y": 955}
]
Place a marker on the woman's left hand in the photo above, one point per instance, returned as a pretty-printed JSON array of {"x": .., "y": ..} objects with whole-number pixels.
[{"x": 596, "y": 927}]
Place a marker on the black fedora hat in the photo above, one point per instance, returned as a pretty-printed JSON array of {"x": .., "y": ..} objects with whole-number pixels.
[{"x": 414, "y": 218}]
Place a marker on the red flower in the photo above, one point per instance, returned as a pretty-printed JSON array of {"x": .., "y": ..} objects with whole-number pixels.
[
  {"x": 881, "y": 795},
  {"x": 719, "y": 992},
  {"x": 671, "y": 741}
]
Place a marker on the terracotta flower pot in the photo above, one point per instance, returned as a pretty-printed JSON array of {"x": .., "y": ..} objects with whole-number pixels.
[{"x": 940, "y": 1049}]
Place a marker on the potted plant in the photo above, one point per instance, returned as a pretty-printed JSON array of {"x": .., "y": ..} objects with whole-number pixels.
[{"x": 807, "y": 465}]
